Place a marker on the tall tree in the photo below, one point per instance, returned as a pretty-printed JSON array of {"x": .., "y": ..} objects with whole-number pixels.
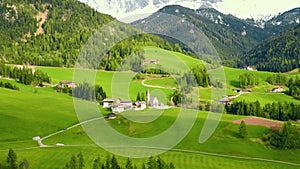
[
  {"x": 80, "y": 161},
  {"x": 114, "y": 163},
  {"x": 12, "y": 159},
  {"x": 97, "y": 163},
  {"x": 290, "y": 136},
  {"x": 24, "y": 164},
  {"x": 138, "y": 97},
  {"x": 243, "y": 130},
  {"x": 73, "y": 162},
  {"x": 128, "y": 164}
]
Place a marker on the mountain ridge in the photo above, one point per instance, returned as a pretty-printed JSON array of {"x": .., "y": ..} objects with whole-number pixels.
[{"x": 280, "y": 53}]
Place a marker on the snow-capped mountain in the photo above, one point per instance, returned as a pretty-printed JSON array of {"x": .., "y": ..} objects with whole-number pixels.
[
  {"x": 123, "y": 9},
  {"x": 284, "y": 21}
]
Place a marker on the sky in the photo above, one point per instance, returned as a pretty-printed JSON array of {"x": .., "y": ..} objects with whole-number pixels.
[{"x": 256, "y": 8}]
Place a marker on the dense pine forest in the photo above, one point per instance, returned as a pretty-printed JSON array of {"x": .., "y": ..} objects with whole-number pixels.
[
  {"x": 24, "y": 75},
  {"x": 280, "y": 53},
  {"x": 276, "y": 110},
  {"x": 56, "y": 39}
]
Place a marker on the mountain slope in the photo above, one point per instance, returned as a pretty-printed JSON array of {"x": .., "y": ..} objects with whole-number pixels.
[
  {"x": 283, "y": 21},
  {"x": 230, "y": 35},
  {"x": 46, "y": 32},
  {"x": 280, "y": 53},
  {"x": 54, "y": 32}
]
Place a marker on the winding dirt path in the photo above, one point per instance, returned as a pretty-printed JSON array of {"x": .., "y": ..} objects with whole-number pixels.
[{"x": 158, "y": 87}]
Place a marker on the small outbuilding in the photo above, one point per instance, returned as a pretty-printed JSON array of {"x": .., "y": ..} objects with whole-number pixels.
[{"x": 140, "y": 105}]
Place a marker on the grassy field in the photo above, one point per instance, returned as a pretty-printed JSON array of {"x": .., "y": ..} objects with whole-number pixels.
[
  {"x": 129, "y": 89},
  {"x": 164, "y": 82},
  {"x": 29, "y": 112},
  {"x": 40, "y": 119}
]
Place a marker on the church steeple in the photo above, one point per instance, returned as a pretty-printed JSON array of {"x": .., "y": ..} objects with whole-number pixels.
[{"x": 148, "y": 96}]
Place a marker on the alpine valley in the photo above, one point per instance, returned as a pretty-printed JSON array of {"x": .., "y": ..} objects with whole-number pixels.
[{"x": 63, "y": 93}]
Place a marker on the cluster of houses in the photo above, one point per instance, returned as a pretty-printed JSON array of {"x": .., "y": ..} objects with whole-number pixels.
[
  {"x": 227, "y": 99},
  {"x": 118, "y": 105}
]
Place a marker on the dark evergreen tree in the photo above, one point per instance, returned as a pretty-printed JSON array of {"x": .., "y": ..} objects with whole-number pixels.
[
  {"x": 80, "y": 161},
  {"x": 114, "y": 163},
  {"x": 128, "y": 164},
  {"x": 97, "y": 163},
  {"x": 12, "y": 159},
  {"x": 243, "y": 130},
  {"x": 138, "y": 97}
]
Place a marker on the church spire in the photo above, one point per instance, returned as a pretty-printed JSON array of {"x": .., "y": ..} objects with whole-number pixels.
[{"x": 148, "y": 96}]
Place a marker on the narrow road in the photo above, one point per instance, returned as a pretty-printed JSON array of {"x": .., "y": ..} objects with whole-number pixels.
[
  {"x": 158, "y": 87},
  {"x": 40, "y": 141}
]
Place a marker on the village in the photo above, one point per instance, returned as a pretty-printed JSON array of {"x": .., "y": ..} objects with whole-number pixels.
[{"x": 118, "y": 105}]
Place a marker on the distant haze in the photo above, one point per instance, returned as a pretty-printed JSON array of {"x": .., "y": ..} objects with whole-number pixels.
[
  {"x": 130, "y": 10},
  {"x": 256, "y": 8}
]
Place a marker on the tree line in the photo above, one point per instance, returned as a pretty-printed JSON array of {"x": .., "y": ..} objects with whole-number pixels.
[
  {"x": 285, "y": 137},
  {"x": 276, "y": 110},
  {"x": 24, "y": 75},
  {"x": 277, "y": 79},
  {"x": 77, "y": 162},
  {"x": 248, "y": 80},
  {"x": 288, "y": 137},
  {"x": 292, "y": 83},
  {"x": 13, "y": 163},
  {"x": 88, "y": 92},
  {"x": 294, "y": 88},
  {"x": 9, "y": 86}
]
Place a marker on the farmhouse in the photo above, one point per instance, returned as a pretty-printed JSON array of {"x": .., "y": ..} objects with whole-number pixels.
[
  {"x": 153, "y": 61},
  {"x": 277, "y": 89},
  {"x": 117, "y": 108},
  {"x": 109, "y": 102},
  {"x": 251, "y": 68},
  {"x": 140, "y": 105},
  {"x": 65, "y": 83},
  {"x": 126, "y": 103},
  {"x": 225, "y": 100}
]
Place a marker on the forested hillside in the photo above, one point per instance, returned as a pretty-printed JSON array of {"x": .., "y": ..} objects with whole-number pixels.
[
  {"x": 280, "y": 53},
  {"x": 230, "y": 36},
  {"x": 53, "y": 32},
  {"x": 46, "y": 32}
]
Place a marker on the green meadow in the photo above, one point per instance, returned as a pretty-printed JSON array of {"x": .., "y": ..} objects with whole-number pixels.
[
  {"x": 26, "y": 113},
  {"x": 33, "y": 112}
]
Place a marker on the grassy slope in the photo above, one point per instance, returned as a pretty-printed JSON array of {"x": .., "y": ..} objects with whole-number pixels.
[{"x": 38, "y": 118}]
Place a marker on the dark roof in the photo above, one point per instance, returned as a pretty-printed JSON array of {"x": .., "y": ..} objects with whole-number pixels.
[
  {"x": 110, "y": 115},
  {"x": 126, "y": 101},
  {"x": 110, "y": 100},
  {"x": 66, "y": 82}
]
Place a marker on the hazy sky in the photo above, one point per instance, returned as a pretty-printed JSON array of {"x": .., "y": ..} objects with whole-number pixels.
[{"x": 255, "y": 8}]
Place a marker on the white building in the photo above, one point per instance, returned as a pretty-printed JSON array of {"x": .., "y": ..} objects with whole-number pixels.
[
  {"x": 278, "y": 89},
  {"x": 117, "y": 109},
  {"x": 152, "y": 100},
  {"x": 140, "y": 106},
  {"x": 126, "y": 103},
  {"x": 109, "y": 102}
]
